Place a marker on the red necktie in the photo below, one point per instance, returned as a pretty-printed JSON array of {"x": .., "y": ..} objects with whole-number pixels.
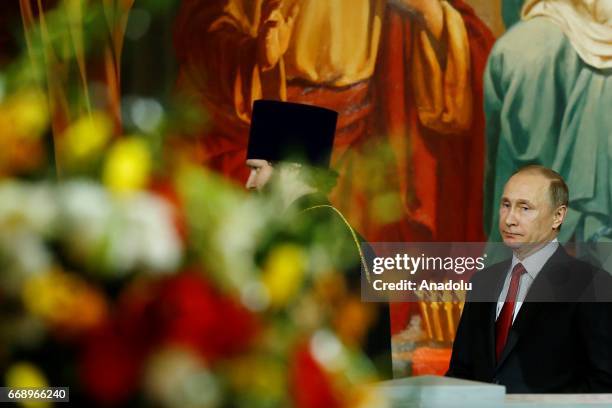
[{"x": 504, "y": 321}]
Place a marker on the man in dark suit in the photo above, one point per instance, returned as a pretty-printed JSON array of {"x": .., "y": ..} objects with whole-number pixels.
[{"x": 536, "y": 323}]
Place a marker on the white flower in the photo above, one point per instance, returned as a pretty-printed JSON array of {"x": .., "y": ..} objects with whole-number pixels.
[
  {"x": 178, "y": 378},
  {"x": 24, "y": 254},
  {"x": 30, "y": 206},
  {"x": 327, "y": 349},
  {"x": 11, "y": 197},
  {"x": 41, "y": 209},
  {"x": 236, "y": 238},
  {"x": 122, "y": 232},
  {"x": 85, "y": 214},
  {"x": 143, "y": 234}
]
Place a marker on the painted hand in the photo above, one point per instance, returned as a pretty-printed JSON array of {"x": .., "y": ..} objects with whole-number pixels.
[
  {"x": 274, "y": 33},
  {"x": 430, "y": 11}
]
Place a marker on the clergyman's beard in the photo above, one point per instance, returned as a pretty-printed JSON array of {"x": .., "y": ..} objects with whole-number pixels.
[{"x": 267, "y": 188}]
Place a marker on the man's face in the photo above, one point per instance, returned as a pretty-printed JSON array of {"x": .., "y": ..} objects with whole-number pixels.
[
  {"x": 526, "y": 214},
  {"x": 261, "y": 172}
]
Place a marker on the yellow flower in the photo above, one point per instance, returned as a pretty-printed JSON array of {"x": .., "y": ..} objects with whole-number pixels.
[
  {"x": 367, "y": 396},
  {"x": 270, "y": 380},
  {"x": 23, "y": 119},
  {"x": 85, "y": 139},
  {"x": 21, "y": 375},
  {"x": 284, "y": 273},
  {"x": 64, "y": 301},
  {"x": 128, "y": 165},
  {"x": 24, "y": 115},
  {"x": 352, "y": 320}
]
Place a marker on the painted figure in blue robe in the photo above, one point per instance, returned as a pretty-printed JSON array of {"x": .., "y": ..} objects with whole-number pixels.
[{"x": 548, "y": 100}]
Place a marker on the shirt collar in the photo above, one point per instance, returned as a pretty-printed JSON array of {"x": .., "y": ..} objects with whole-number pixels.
[{"x": 533, "y": 263}]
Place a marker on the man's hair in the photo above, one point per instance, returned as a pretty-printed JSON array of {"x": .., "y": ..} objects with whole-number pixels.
[{"x": 559, "y": 193}]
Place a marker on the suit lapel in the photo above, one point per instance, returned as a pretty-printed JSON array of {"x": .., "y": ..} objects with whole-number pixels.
[
  {"x": 533, "y": 310},
  {"x": 490, "y": 309},
  {"x": 530, "y": 312},
  {"x": 498, "y": 275}
]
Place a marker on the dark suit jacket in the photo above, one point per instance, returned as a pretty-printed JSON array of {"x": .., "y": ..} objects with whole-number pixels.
[{"x": 563, "y": 346}]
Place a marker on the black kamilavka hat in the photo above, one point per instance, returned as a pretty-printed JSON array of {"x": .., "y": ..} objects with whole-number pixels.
[{"x": 285, "y": 131}]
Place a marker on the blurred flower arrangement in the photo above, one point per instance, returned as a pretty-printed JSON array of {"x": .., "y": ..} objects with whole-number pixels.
[{"x": 133, "y": 275}]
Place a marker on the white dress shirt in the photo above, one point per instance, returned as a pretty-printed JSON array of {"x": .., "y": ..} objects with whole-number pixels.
[{"x": 533, "y": 265}]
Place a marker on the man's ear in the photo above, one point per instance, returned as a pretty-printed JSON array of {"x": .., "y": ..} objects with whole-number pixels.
[{"x": 559, "y": 216}]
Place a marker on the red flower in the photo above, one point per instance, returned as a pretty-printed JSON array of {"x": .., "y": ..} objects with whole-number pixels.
[
  {"x": 190, "y": 312},
  {"x": 113, "y": 354},
  {"x": 184, "y": 309},
  {"x": 110, "y": 366},
  {"x": 309, "y": 384},
  {"x": 134, "y": 313}
]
